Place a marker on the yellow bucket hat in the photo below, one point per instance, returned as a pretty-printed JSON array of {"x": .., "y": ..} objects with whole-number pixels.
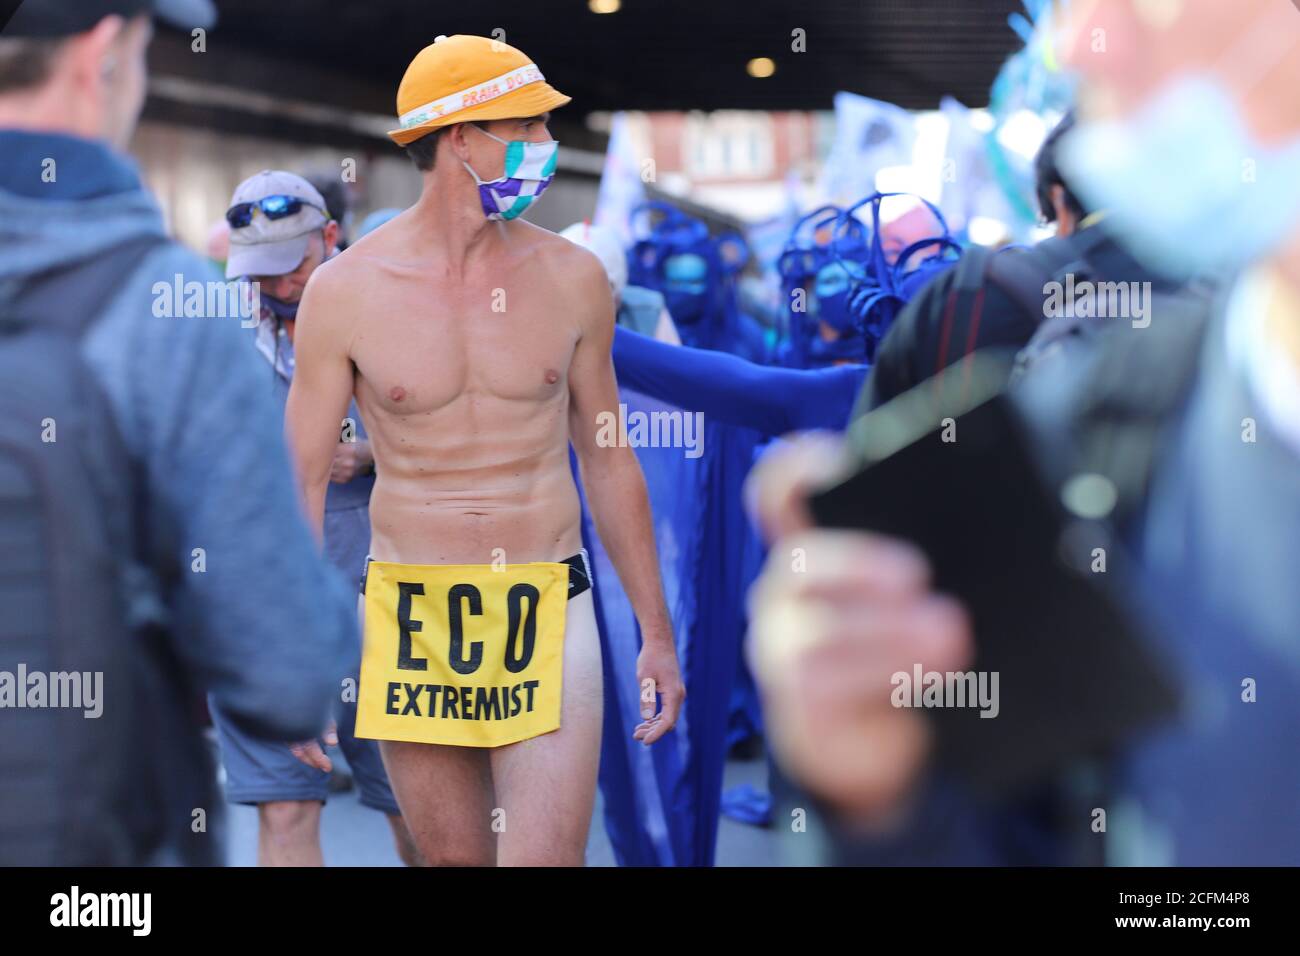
[{"x": 461, "y": 79}]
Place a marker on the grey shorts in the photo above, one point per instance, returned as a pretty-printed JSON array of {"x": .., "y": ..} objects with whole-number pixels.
[
  {"x": 264, "y": 771},
  {"x": 261, "y": 771}
]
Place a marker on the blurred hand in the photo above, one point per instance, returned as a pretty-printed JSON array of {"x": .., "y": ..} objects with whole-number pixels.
[
  {"x": 312, "y": 753},
  {"x": 835, "y": 615},
  {"x": 778, "y": 485},
  {"x": 351, "y": 458}
]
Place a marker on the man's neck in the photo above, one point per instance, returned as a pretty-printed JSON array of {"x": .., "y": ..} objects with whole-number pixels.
[
  {"x": 41, "y": 112},
  {"x": 450, "y": 223}
]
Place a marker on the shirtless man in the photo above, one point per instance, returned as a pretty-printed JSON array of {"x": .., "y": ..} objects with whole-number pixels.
[{"x": 477, "y": 347}]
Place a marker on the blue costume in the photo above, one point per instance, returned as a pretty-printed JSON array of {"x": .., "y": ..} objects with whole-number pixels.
[
  {"x": 661, "y": 806},
  {"x": 771, "y": 401},
  {"x": 836, "y": 277},
  {"x": 746, "y": 404},
  {"x": 675, "y": 255},
  {"x": 806, "y": 255}
]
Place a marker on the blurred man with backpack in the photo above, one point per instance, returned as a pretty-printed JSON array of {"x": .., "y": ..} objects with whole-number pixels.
[
  {"x": 150, "y": 529},
  {"x": 1193, "y": 424}
]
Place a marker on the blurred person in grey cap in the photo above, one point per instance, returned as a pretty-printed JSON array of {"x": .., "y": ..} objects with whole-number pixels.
[
  {"x": 280, "y": 233},
  {"x": 164, "y": 420},
  {"x": 275, "y": 218}
]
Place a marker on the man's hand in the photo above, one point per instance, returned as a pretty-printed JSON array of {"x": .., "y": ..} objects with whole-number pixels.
[
  {"x": 657, "y": 672},
  {"x": 312, "y": 753},
  {"x": 351, "y": 458},
  {"x": 835, "y": 615}
]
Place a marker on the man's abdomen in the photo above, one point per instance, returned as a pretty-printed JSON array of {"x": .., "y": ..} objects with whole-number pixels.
[{"x": 425, "y": 519}]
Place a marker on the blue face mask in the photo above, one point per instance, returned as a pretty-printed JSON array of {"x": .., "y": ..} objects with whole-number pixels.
[
  {"x": 286, "y": 311},
  {"x": 1186, "y": 186},
  {"x": 831, "y": 290},
  {"x": 686, "y": 308},
  {"x": 686, "y": 287}
]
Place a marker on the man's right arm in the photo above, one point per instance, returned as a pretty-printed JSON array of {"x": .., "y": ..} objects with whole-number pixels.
[{"x": 320, "y": 392}]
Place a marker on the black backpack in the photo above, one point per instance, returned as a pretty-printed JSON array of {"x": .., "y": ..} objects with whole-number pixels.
[
  {"x": 1019, "y": 272},
  {"x": 1121, "y": 420},
  {"x": 1138, "y": 378},
  {"x": 1022, "y": 273},
  {"x": 74, "y": 790}
]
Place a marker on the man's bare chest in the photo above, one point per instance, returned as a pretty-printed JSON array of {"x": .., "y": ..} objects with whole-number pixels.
[{"x": 419, "y": 355}]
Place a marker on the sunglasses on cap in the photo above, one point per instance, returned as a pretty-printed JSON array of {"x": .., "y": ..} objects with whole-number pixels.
[{"x": 272, "y": 207}]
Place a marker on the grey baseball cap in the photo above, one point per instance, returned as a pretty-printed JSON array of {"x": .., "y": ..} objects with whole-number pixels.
[
  {"x": 55, "y": 18},
  {"x": 274, "y": 247}
]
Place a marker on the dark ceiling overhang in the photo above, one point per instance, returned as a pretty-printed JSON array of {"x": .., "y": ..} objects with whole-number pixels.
[{"x": 651, "y": 55}]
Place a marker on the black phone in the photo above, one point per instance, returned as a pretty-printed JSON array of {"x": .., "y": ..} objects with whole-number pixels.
[{"x": 950, "y": 467}]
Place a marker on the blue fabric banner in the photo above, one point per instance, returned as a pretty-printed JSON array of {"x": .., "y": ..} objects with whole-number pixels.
[{"x": 661, "y": 804}]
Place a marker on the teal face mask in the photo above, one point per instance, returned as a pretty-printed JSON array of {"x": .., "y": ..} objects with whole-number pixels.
[
  {"x": 686, "y": 272},
  {"x": 686, "y": 286},
  {"x": 1187, "y": 188},
  {"x": 529, "y": 169},
  {"x": 831, "y": 295}
]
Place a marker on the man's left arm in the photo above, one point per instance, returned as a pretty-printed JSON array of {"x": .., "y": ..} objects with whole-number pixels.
[{"x": 616, "y": 493}]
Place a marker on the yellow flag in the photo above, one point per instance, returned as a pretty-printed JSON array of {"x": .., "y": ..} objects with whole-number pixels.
[{"x": 462, "y": 654}]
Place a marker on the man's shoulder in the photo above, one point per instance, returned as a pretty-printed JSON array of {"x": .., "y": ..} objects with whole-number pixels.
[
  {"x": 339, "y": 284},
  {"x": 342, "y": 272},
  {"x": 575, "y": 278},
  {"x": 559, "y": 253}
]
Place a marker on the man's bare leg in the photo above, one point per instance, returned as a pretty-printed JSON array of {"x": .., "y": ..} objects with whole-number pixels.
[
  {"x": 405, "y": 843},
  {"x": 547, "y": 785},
  {"x": 288, "y": 833},
  {"x": 445, "y": 794}
]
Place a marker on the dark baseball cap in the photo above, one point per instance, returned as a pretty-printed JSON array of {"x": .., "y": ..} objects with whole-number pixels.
[{"x": 56, "y": 18}]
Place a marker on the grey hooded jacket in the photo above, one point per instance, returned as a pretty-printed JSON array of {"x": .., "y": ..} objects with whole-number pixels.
[{"x": 266, "y": 626}]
